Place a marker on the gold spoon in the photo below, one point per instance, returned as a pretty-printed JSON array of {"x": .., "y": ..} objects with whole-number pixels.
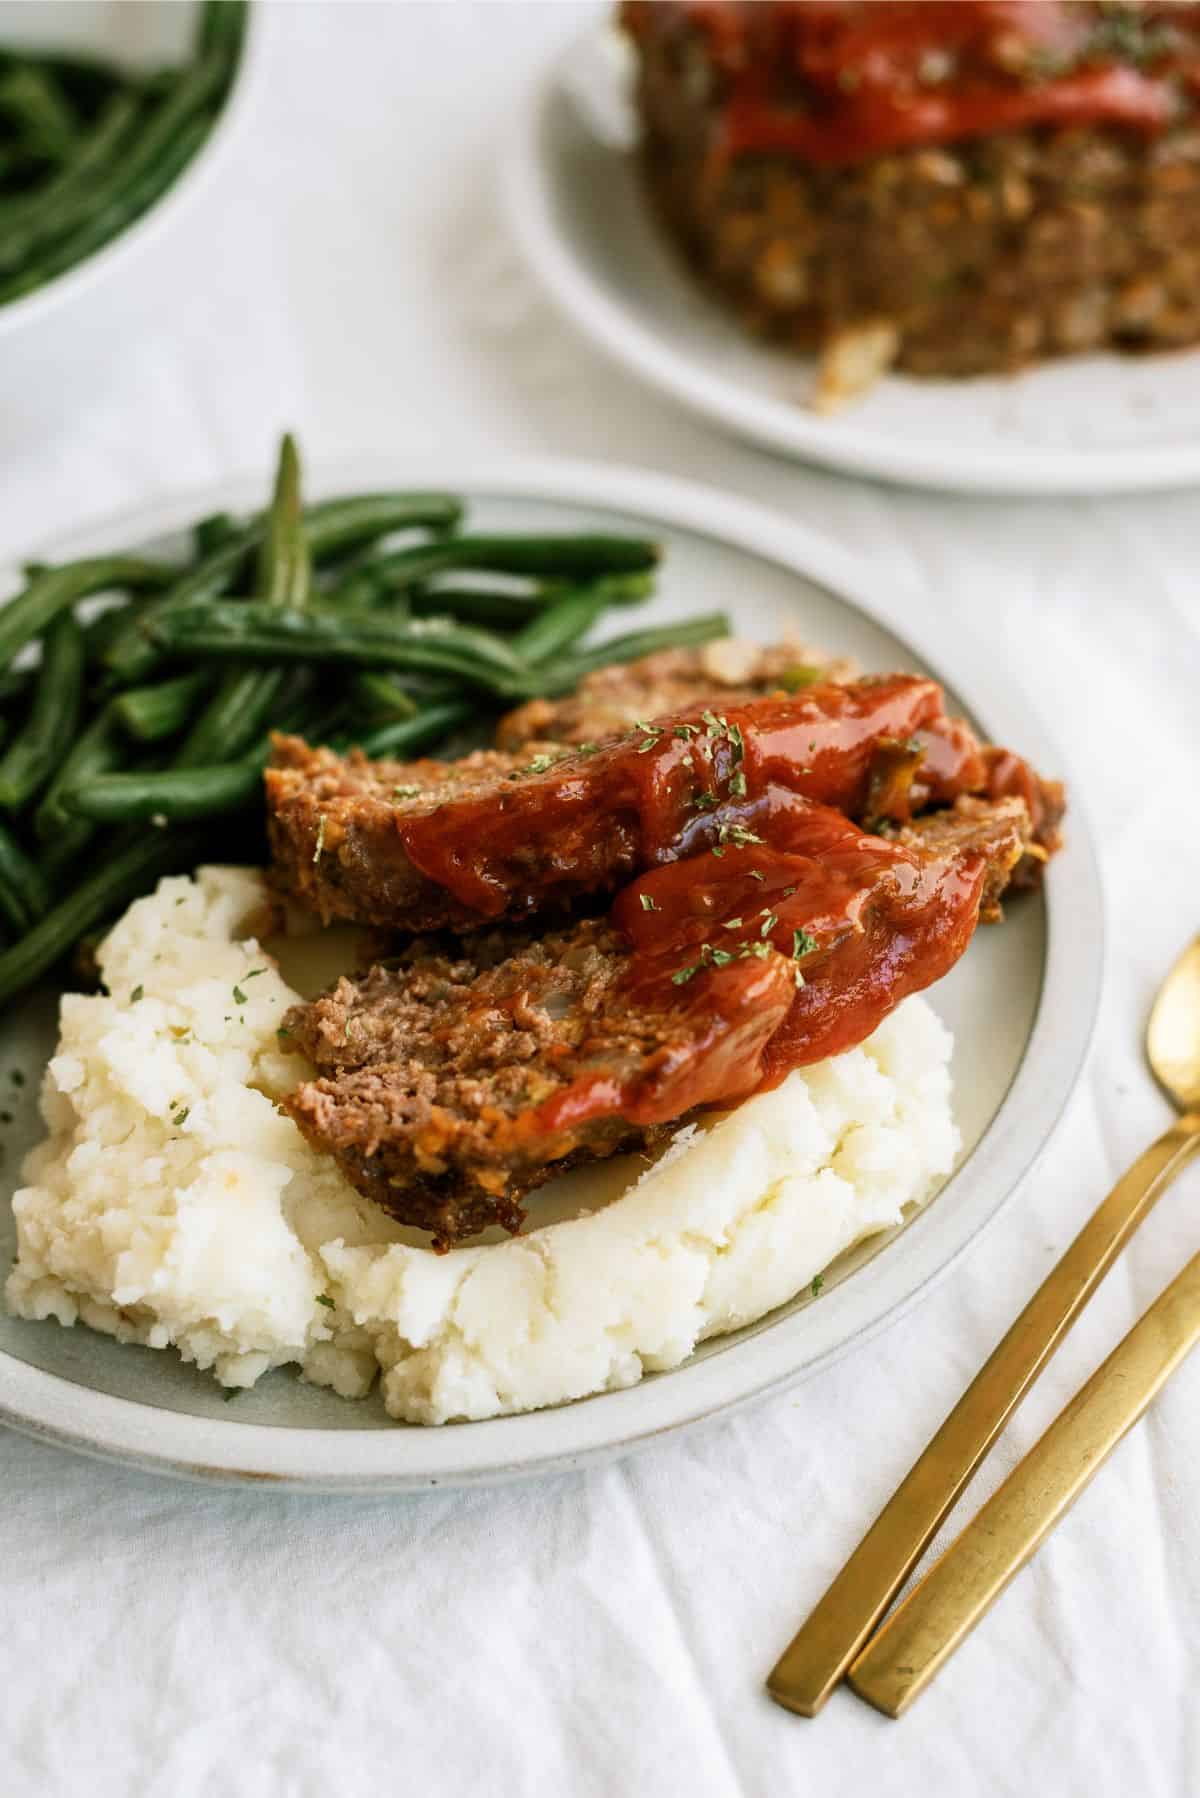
[{"x": 936, "y": 1615}]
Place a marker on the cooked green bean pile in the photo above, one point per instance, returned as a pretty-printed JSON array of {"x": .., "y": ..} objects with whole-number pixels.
[
  {"x": 86, "y": 148},
  {"x": 134, "y": 728}
]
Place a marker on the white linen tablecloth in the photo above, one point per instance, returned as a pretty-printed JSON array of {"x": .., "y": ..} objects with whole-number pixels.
[{"x": 608, "y": 1632}]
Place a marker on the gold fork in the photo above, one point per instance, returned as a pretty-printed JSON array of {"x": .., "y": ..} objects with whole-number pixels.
[{"x": 954, "y": 1596}]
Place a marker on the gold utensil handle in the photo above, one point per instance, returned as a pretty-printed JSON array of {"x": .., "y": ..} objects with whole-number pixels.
[
  {"x": 835, "y": 1631},
  {"x": 945, "y": 1606}
]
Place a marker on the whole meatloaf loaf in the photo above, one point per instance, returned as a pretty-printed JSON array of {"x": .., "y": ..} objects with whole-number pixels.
[{"x": 948, "y": 186}]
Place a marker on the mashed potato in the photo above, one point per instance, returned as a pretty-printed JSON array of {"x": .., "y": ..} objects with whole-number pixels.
[{"x": 174, "y": 1205}]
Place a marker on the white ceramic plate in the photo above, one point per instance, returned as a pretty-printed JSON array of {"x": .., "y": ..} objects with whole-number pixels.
[
  {"x": 1021, "y": 1004},
  {"x": 1092, "y": 425}
]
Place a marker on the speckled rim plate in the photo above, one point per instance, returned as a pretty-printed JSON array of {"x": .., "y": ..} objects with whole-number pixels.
[
  {"x": 1096, "y": 424},
  {"x": 797, "y": 1342}
]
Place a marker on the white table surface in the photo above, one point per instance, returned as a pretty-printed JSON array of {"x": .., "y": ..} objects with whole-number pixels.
[{"x": 607, "y": 1633}]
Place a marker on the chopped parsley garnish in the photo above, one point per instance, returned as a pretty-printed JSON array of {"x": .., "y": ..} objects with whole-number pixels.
[
  {"x": 802, "y": 943},
  {"x": 181, "y": 1033},
  {"x": 17, "y": 1077},
  {"x": 737, "y": 784},
  {"x": 684, "y": 731},
  {"x": 320, "y": 838},
  {"x": 787, "y": 892},
  {"x": 756, "y": 874},
  {"x": 405, "y": 792},
  {"x": 179, "y": 1118},
  {"x": 254, "y": 974},
  {"x": 721, "y": 956},
  {"x": 760, "y": 949},
  {"x": 139, "y": 992},
  {"x": 586, "y": 748},
  {"x": 768, "y": 924},
  {"x": 682, "y": 975},
  {"x": 703, "y": 800},
  {"x": 239, "y": 997},
  {"x": 818, "y": 1280},
  {"x": 6, "y": 1117},
  {"x": 539, "y": 764},
  {"x": 283, "y": 1031},
  {"x": 734, "y": 923},
  {"x": 323, "y": 1298},
  {"x": 648, "y": 902},
  {"x": 232, "y": 1392},
  {"x": 717, "y": 727},
  {"x": 737, "y": 834}
]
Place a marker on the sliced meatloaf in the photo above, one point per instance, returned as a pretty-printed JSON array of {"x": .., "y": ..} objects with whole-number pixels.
[
  {"x": 429, "y": 845},
  {"x": 949, "y": 188},
  {"x": 453, "y": 1081}
]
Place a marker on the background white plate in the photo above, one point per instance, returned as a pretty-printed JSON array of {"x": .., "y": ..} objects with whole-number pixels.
[
  {"x": 1021, "y": 1003},
  {"x": 1087, "y": 425}
]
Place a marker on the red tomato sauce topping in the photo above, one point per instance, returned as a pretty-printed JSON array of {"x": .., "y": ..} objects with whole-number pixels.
[{"x": 838, "y": 81}]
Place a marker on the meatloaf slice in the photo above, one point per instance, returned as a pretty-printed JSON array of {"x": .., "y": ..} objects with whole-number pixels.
[
  {"x": 428, "y": 845},
  {"x": 614, "y": 699},
  {"x": 436, "y": 1065},
  {"x": 454, "y": 1081}
]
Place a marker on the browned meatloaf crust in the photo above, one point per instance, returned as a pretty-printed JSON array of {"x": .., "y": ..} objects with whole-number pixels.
[
  {"x": 432, "y": 1066},
  {"x": 613, "y": 699},
  {"x": 946, "y": 258}
]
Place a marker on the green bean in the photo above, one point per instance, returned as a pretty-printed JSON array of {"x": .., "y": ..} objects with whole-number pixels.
[
  {"x": 490, "y": 607},
  {"x": 62, "y": 200},
  {"x": 222, "y": 23},
  {"x": 377, "y": 694},
  {"x": 284, "y": 563},
  {"x": 251, "y": 632},
  {"x": 629, "y": 648},
  {"x": 330, "y": 527},
  {"x": 23, "y": 895},
  {"x": 48, "y": 594},
  {"x": 177, "y": 794},
  {"x": 213, "y": 531},
  {"x": 47, "y": 733},
  {"x": 98, "y": 748},
  {"x": 152, "y": 713},
  {"x": 245, "y": 697},
  {"x": 36, "y": 106},
  {"x": 134, "y": 196},
  {"x": 411, "y": 735},
  {"x": 118, "y": 880},
  {"x": 334, "y": 525},
  {"x": 561, "y": 625},
  {"x": 129, "y": 655},
  {"x": 585, "y": 555}
]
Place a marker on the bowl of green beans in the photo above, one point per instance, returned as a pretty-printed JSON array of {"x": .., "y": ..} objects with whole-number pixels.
[{"x": 114, "y": 119}]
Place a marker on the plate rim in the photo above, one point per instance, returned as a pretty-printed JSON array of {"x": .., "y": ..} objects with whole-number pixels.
[
  {"x": 228, "y": 1451},
  {"x": 527, "y": 187}
]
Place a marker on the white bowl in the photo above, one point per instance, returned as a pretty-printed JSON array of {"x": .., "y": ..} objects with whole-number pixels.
[{"x": 60, "y": 345}]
